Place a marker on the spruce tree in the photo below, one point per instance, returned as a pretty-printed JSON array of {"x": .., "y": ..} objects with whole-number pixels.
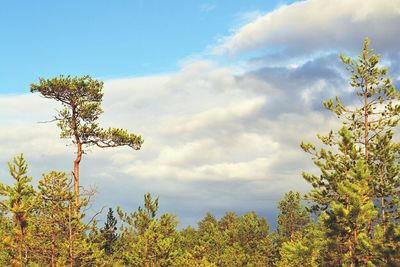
[{"x": 109, "y": 232}]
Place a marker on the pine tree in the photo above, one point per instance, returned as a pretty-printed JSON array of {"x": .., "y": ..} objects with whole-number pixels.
[
  {"x": 347, "y": 220},
  {"x": 51, "y": 220},
  {"x": 19, "y": 201},
  {"x": 109, "y": 232},
  {"x": 148, "y": 241},
  {"x": 359, "y": 168},
  {"x": 293, "y": 218},
  {"x": 6, "y": 226},
  {"x": 309, "y": 251},
  {"x": 211, "y": 240},
  {"x": 371, "y": 126},
  {"x": 81, "y": 98},
  {"x": 293, "y": 223}
]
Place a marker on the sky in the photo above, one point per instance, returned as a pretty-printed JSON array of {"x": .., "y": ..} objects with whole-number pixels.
[{"x": 223, "y": 92}]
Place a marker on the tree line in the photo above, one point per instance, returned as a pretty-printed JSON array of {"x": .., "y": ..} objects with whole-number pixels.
[{"x": 350, "y": 217}]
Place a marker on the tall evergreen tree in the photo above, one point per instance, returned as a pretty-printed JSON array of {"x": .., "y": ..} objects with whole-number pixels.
[
  {"x": 371, "y": 128},
  {"x": 359, "y": 168},
  {"x": 81, "y": 99}
]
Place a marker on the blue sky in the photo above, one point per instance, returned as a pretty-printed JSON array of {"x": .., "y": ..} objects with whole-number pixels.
[
  {"x": 109, "y": 39},
  {"x": 223, "y": 92}
]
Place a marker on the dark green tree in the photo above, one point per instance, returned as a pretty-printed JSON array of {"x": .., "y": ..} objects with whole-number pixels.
[{"x": 109, "y": 232}]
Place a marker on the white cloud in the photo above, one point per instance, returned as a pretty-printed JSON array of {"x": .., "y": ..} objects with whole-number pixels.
[
  {"x": 313, "y": 26},
  {"x": 218, "y": 117}
]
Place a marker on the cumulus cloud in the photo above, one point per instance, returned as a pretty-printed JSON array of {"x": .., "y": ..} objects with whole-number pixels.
[{"x": 316, "y": 26}]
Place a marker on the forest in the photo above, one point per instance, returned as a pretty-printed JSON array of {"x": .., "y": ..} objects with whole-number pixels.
[{"x": 350, "y": 217}]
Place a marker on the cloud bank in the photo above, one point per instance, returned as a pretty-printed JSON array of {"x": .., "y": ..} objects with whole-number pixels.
[{"x": 217, "y": 137}]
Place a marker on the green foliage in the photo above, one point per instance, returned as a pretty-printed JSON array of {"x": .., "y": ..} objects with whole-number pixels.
[
  {"x": 293, "y": 218},
  {"x": 387, "y": 245},
  {"x": 19, "y": 201},
  {"x": 347, "y": 221},
  {"x": 231, "y": 241},
  {"x": 81, "y": 98},
  {"x": 109, "y": 232},
  {"x": 147, "y": 240},
  {"x": 6, "y": 244},
  {"x": 359, "y": 181},
  {"x": 354, "y": 198},
  {"x": 51, "y": 219}
]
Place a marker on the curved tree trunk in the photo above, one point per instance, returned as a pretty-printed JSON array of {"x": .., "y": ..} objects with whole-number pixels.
[{"x": 77, "y": 161}]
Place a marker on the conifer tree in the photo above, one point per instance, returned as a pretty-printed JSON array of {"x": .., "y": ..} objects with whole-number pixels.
[
  {"x": 347, "y": 221},
  {"x": 51, "y": 221},
  {"x": 293, "y": 218},
  {"x": 149, "y": 241},
  {"x": 6, "y": 226},
  {"x": 211, "y": 240},
  {"x": 81, "y": 99},
  {"x": 293, "y": 223},
  {"x": 359, "y": 166},
  {"x": 371, "y": 126},
  {"x": 19, "y": 201},
  {"x": 109, "y": 232}
]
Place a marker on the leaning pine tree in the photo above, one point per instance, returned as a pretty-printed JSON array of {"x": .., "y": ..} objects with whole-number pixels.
[
  {"x": 358, "y": 189},
  {"x": 81, "y": 98}
]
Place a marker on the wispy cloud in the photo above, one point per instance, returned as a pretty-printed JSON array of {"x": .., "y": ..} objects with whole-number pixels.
[{"x": 207, "y": 7}]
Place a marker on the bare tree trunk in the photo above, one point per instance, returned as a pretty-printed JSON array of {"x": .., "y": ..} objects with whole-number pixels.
[
  {"x": 77, "y": 161},
  {"x": 291, "y": 227},
  {"x": 366, "y": 139},
  {"x": 53, "y": 258},
  {"x": 76, "y": 177},
  {"x": 382, "y": 210},
  {"x": 350, "y": 248},
  {"x": 366, "y": 123},
  {"x": 383, "y": 216},
  {"x": 20, "y": 247},
  {"x": 21, "y": 253}
]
